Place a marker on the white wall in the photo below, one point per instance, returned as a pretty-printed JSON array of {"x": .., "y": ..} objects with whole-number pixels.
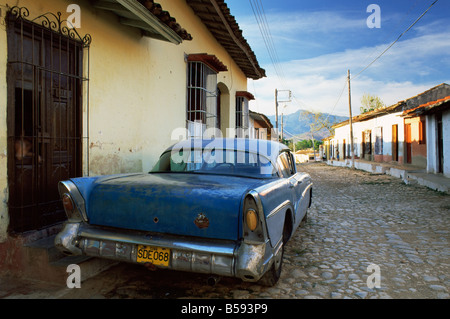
[
  {"x": 385, "y": 122},
  {"x": 432, "y": 143},
  {"x": 446, "y": 142}
]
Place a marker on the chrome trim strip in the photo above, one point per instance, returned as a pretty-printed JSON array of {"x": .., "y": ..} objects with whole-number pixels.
[
  {"x": 277, "y": 209},
  {"x": 161, "y": 240},
  {"x": 306, "y": 189}
]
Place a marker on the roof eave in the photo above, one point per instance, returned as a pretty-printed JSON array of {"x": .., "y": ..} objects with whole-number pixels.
[{"x": 216, "y": 16}]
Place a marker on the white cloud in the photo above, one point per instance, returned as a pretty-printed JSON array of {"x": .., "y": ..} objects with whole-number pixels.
[{"x": 410, "y": 67}]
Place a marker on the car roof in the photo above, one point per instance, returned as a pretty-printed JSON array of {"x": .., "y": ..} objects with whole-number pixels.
[{"x": 268, "y": 148}]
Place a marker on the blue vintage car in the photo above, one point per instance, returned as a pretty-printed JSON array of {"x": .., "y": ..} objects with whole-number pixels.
[{"x": 224, "y": 207}]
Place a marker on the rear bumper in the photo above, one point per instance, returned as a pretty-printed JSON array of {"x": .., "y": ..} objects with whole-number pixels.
[{"x": 224, "y": 258}]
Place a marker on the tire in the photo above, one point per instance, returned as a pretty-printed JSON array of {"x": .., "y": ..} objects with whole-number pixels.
[
  {"x": 304, "y": 220},
  {"x": 272, "y": 276}
]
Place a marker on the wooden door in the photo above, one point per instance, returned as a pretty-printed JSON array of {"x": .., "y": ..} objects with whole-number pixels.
[
  {"x": 44, "y": 122},
  {"x": 408, "y": 142},
  {"x": 395, "y": 142}
]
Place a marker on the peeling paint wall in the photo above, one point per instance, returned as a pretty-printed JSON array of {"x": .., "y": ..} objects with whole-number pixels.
[{"x": 4, "y": 220}]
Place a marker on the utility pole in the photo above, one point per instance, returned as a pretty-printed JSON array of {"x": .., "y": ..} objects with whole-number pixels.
[
  {"x": 276, "y": 108},
  {"x": 276, "y": 114},
  {"x": 351, "y": 120}
]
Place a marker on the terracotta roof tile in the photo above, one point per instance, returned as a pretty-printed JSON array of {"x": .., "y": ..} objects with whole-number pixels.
[{"x": 164, "y": 16}]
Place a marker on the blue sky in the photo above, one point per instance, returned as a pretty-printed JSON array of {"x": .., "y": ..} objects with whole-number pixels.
[{"x": 316, "y": 42}]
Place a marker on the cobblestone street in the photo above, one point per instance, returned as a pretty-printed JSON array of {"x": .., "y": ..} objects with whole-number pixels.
[
  {"x": 356, "y": 219},
  {"x": 359, "y": 219}
]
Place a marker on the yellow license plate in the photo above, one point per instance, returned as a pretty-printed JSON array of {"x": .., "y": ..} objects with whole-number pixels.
[{"x": 156, "y": 255}]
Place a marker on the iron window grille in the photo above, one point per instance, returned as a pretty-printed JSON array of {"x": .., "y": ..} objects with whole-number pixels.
[
  {"x": 242, "y": 117},
  {"x": 202, "y": 98}
]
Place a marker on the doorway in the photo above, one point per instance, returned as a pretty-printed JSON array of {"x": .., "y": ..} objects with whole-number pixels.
[
  {"x": 44, "y": 121},
  {"x": 395, "y": 142},
  {"x": 408, "y": 142},
  {"x": 440, "y": 143}
]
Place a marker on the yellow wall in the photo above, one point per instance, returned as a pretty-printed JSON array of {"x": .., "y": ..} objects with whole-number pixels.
[{"x": 137, "y": 88}]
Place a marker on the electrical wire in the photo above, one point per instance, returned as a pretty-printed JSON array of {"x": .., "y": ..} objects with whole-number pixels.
[
  {"x": 398, "y": 38},
  {"x": 368, "y": 57},
  {"x": 380, "y": 55},
  {"x": 263, "y": 25},
  {"x": 261, "y": 19}
]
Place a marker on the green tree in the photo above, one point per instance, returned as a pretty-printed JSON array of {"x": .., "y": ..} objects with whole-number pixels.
[
  {"x": 370, "y": 103},
  {"x": 307, "y": 144}
]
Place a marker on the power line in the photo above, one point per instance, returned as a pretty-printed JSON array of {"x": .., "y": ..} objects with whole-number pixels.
[
  {"x": 339, "y": 98},
  {"x": 261, "y": 19},
  {"x": 398, "y": 38},
  {"x": 393, "y": 30},
  {"x": 380, "y": 55}
]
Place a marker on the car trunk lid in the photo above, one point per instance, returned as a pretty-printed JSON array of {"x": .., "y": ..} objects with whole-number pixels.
[{"x": 182, "y": 204}]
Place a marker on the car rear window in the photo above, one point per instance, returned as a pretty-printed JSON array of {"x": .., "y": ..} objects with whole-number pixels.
[{"x": 216, "y": 161}]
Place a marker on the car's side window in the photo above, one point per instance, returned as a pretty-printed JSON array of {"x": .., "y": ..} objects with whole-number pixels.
[
  {"x": 284, "y": 162},
  {"x": 292, "y": 163}
]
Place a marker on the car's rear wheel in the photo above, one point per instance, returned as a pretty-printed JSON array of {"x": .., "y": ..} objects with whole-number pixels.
[
  {"x": 304, "y": 220},
  {"x": 272, "y": 276}
]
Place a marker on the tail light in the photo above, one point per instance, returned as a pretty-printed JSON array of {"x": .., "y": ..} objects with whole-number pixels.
[
  {"x": 253, "y": 221},
  {"x": 67, "y": 203},
  {"x": 251, "y": 217},
  {"x": 72, "y": 201}
]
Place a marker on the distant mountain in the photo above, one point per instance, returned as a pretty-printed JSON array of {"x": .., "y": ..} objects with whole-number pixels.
[{"x": 298, "y": 124}]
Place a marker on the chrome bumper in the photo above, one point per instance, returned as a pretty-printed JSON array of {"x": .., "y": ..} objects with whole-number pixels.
[{"x": 224, "y": 258}]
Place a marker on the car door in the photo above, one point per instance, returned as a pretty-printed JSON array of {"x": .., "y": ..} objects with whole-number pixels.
[{"x": 296, "y": 187}]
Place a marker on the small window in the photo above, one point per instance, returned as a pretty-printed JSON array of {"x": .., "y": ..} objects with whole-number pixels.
[
  {"x": 242, "y": 117},
  {"x": 243, "y": 113},
  {"x": 202, "y": 111},
  {"x": 202, "y": 98}
]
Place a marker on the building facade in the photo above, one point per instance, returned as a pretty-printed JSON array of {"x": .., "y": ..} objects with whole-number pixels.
[
  {"x": 435, "y": 115},
  {"x": 103, "y": 87},
  {"x": 409, "y": 132}
]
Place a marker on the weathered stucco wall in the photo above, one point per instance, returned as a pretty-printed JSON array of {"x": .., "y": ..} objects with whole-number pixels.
[
  {"x": 135, "y": 106},
  {"x": 3, "y": 134}
]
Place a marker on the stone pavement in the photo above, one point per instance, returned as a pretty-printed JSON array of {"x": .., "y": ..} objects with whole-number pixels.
[
  {"x": 408, "y": 173},
  {"x": 359, "y": 219},
  {"x": 368, "y": 236}
]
